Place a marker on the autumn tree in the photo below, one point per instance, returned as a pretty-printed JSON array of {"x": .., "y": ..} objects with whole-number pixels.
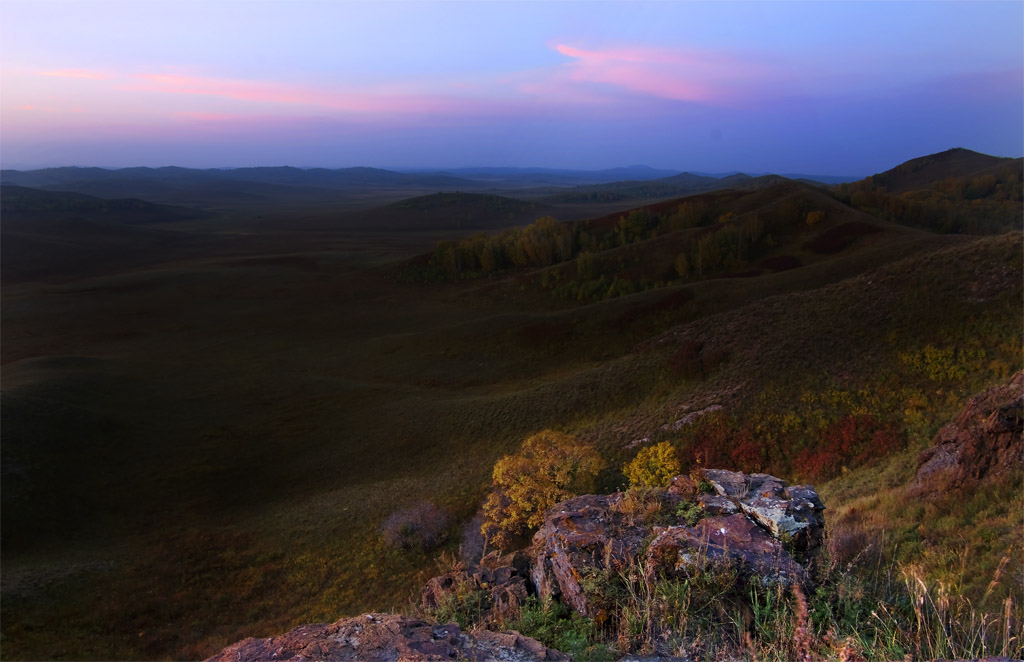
[
  {"x": 586, "y": 265},
  {"x": 682, "y": 265},
  {"x": 550, "y": 467},
  {"x": 654, "y": 466}
]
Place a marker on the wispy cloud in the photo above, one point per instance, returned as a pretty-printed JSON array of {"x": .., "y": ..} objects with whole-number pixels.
[
  {"x": 665, "y": 73},
  {"x": 74, "y": 73},
  {"x": 392, "y": 100}
]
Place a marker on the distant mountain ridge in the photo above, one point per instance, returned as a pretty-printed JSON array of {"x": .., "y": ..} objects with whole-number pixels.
[
  {"x": 167, "y": 183},
  {"x": 252, "y": 185}
]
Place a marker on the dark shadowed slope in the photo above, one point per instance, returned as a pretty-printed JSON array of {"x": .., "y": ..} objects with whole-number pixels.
[
  {"x": 682, "y": 184},
  {"x": 17, "y": 202},
  {"x": 53, "y": 235},
  {"x": 216, "y": 187}
]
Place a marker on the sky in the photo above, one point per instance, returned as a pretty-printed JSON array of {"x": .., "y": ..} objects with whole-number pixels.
[{"x": 790, "y": 87}]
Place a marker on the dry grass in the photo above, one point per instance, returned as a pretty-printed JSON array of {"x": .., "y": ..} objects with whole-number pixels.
[{"x": 230, "y": 430}]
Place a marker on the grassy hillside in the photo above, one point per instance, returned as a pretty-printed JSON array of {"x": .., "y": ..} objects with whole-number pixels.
[
  {"x": 18, "y": 200},
  {"x": 954, "y": 191},
  {"x": 205, "y": 445},
  {"x": 667, "y": 187},
  {"x": 925, "y": 171}
]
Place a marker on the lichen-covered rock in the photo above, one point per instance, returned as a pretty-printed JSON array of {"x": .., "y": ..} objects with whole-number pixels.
[
  {"x": 792, "y": 514},
  {"x": 713, "y": 504},
  {"x": 733, "y": 541},
  {"x": 983, "y": 442},
  {"x": 387, "y": 638},
  {"x": 580, "y": 535}
]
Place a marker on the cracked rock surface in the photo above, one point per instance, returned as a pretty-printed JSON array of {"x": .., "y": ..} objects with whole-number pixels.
[{"x": 387, "y": 638}]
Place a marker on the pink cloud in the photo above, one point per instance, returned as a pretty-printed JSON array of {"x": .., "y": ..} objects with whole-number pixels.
[
  {"x": 42, "y": 109},
  {"x": 634, "y": 54},
  {"x": 272, "y": 92},
  {"x": 210, "y": 117},
  {"x": 674, "y": 74},
  {"x": 74, "y": 73}
]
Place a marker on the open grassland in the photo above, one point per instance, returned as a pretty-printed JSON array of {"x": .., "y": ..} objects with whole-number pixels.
[
  {"x": 205, "y": 445},
  {"x": 206, "y": 448}
]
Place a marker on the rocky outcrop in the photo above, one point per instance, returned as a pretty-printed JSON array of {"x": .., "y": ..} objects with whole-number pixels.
[
  {"x": 504, "y": 589},
  {"x": 581, "y": 536},
  {"x": 720, "y": 521},
  {"x": 982, "y": 443},
  {"x": 387, "y": 638},
  {"x": 750, "y": 524}
]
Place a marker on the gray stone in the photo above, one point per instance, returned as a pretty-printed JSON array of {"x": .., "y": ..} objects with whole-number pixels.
[{"x": 791, "y": 514}]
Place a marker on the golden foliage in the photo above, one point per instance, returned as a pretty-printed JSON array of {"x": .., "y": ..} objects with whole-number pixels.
[
  {"x": 653, "y": 466},
  {"x": 814, "y": 217},
  {"x": 550, "y": 467}
]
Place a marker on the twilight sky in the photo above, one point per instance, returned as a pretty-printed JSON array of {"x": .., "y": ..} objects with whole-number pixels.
[{"x": 812, "y": 87}]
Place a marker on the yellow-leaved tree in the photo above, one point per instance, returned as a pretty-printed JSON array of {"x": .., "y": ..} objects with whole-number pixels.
[
  {"x": 653, "y": 466},
  {"x": 550, "y": 467}
]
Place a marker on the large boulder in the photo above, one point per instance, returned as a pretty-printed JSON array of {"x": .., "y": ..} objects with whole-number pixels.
[
  {"x": 984, "y": 442},
  {"x": 387, "y": 638}
]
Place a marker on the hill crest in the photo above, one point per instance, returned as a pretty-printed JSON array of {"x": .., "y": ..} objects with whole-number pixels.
[{"x": 924, "y": 171}]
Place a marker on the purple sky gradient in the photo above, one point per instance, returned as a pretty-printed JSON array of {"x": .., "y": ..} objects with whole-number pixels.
[{"x": 814, "y": 87}]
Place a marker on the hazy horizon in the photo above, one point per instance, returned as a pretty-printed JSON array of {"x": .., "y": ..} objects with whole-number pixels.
[
  {"x": 831, "y": 88},
  {"x": 438, "y": 169},
  {"x": 483, "y": 166}
]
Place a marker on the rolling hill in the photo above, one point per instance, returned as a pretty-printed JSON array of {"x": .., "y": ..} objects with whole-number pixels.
[
  {"x": 927, "y": 171},
  {"x": 208, "y": 422},
  {"x": 19, "y": 201},
  {"x": 953, "y": 191},
  {"x": 239, "y": 186}
]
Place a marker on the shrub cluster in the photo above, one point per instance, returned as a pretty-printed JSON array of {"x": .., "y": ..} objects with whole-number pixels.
[{"x": 420, "y": 527}]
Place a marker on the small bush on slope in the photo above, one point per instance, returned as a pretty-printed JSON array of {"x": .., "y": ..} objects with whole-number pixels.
[
  {"x": 654, "y": 466},
  {"x": 418, "y": 527}
]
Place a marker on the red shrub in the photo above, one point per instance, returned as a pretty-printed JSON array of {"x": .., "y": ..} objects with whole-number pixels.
[
  {"x": 712, "y": 440},
  {"x": 850, "y": 441},
  {"x": 747, "y": 454},
  {"x": 818, "y": 464}
]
